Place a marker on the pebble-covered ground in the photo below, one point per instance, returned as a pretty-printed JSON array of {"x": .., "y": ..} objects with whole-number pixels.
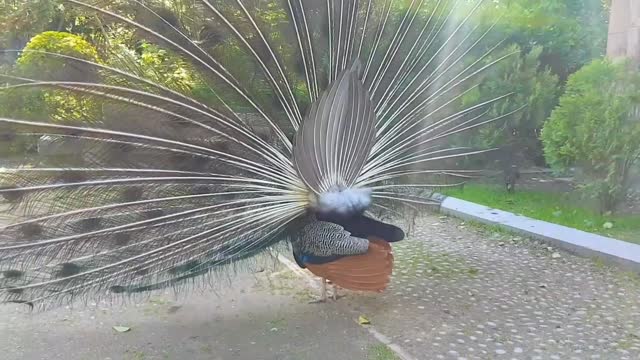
[
  {"x": 459, "y": 292},
  {"x": 264, "y": 315},
  {"x": 467, "y": 292}
]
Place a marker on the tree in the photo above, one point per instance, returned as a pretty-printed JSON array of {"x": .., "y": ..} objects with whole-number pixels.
[
  {"x": 573, "y": 32},
  {"x": 23, "y": 19},
  {"x": 35, "y": 64},
  {"x": 534, "y": 92},
  {"x": 596, "y": 127}
]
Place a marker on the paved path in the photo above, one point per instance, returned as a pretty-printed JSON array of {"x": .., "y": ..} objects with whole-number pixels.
[
  {"x": 459, "y": 292},
  {"x": 462, "y": 293},
  {"x": 264, "y": 316}
]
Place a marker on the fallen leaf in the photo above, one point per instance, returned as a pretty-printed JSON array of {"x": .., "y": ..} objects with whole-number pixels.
[
  {"x": 363, "y": 320},
  {"x": 121, "y": 329}
]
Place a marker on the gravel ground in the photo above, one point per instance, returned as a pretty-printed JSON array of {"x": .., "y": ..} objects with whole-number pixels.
[
  {"x": 263, "y": 316},
  {"x": 459, "y": 292},
  {"x": 464, "y": 292}
]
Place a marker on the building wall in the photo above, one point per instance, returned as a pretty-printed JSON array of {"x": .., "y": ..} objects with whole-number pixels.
[{"x": 624, "y": 29}]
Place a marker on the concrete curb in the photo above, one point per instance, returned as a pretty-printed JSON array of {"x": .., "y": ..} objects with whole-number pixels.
[{"x": 569, "y": 239}]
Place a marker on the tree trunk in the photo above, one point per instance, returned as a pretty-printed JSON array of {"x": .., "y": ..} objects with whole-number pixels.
[{"x": 624, "y": 30}]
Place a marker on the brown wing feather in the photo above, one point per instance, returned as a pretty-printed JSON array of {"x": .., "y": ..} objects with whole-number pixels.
[{"x": 367, "y": 272}]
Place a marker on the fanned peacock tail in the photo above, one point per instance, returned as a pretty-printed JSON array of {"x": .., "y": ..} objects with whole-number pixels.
[{"x": 165, "y": 182}]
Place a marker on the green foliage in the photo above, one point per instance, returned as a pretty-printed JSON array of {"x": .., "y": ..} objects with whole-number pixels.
[
  {"x": 596, "y": 128},
  {"x": 32, "y": 62},
  {"x": 57, "y": 105},
  {"x": 381, "y": 352},
  {"x": 273, "y": 20},
  {"x": 534, "y": 92},
  {"x": 164, "y": 67},
  {"x": 21, "y": 20},
  {"x": 573, "y": 32}
]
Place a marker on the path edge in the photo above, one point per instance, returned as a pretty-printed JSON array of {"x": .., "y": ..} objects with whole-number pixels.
[{"x": 585, "y": 244}]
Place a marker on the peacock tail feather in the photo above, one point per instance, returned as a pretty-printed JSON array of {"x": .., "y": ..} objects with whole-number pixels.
[{"x": 333, "y": 105}]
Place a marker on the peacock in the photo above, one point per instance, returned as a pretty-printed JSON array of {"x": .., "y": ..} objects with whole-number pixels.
[{"x": 320, "y": 126}]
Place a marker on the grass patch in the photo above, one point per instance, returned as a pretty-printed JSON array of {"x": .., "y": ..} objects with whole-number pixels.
[
  {"x": 381, "y": 352},
  {"x": 552, "y": 207}
]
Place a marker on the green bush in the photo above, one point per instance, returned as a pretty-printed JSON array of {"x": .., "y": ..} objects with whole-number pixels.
[
  {"x": 54, "y": 42},
  {"x": 596, "y": 128},
  {"x": 57, "y": 105},
  {"x": 164, "y": 67}
]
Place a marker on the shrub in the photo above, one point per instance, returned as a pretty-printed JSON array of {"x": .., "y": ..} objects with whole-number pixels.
[
  {"x": 57, "y": 105},
  {"x": 54, "y": 42},
  {"x": 596, "y": 128}
]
